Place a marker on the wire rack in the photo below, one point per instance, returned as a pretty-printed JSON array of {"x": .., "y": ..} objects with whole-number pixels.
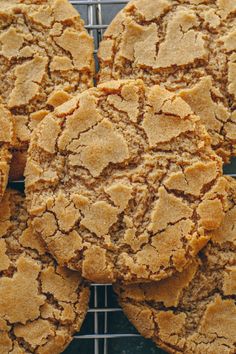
[
  {"x": 105, "y": 323},
  {"x": 103, "y": 306},
  {"x": 106, "y": 330}
]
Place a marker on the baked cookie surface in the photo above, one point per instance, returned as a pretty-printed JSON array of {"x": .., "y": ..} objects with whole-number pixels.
[
  {"x": 188, "y": 46},
  {"x": 6, "y": 141},
  {"x": 122, "y": 183},
  {"x": 194, "y": 311},
  {"x": 46, "y": 55},
  {"x": 41, "y": 304}
]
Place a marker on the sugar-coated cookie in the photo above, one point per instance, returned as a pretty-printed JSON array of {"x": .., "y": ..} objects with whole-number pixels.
[
  {"x": 122, "y": 183},
  {"x": 193, "y": 311},
  {"x": 41, "y": 304},
  {"x": 46, "y": 56},
  {"x": 187, "y": 46}
]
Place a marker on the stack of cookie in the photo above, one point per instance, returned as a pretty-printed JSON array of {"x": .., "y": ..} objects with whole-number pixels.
[
  {"x": 46, "y": 58},
  {"x": 124, "y": 181}
]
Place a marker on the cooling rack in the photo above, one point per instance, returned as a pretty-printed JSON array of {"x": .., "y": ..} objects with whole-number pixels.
[
  {"x": 106, "y": 329},
  {"x": 104, "y": 311}
]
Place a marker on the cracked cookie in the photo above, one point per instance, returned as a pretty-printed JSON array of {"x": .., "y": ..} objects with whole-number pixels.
[
  {"x": 122, "y": 183},
  {"x": 193, "y": 311},
  {"x": 41, "y": 304},
  {"x": 187, "y": 46},
  {"x": 46, "y": 56},
  {"x": 6, "y": 140}
]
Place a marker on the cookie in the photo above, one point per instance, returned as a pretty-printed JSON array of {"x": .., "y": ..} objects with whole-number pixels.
[
  {"x": 193, "y": 311},
  {"x": 185, "y": 45},
  {"x": 122, "y": 183},
  {"x": 41, "y": 304},
  {"x": 6, "y": 140},
  {"x": 46, "y": 57}
]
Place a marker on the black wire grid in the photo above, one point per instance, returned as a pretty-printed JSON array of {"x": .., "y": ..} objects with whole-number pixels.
[
  {"x": 100, "y": 327},
  {"x": 106, "y": 329}
]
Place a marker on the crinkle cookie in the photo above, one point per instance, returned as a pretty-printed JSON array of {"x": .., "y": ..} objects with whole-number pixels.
[
  {"x": 41, "y": 304},
  {"x": 194, "y": 311},
  {"x": 46, "y": 56},
  {"x": 188, "y": 46},
  {"x": 122, "y": 183},
  {"x": 6, "y": 140}
]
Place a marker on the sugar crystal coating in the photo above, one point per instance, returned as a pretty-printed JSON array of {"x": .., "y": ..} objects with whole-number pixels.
[
  {"x": 122, "y": 183},
  {"x": 46, "y": 56},
  {"x": 193, "y": 311},
  {"x": 41, "y": 304},
  {"x": 188, "y": 47}
]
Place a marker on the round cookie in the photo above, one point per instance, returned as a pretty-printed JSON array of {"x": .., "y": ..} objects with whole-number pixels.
[
  {"x": 193, "y": 311},
  {"x": 6, "y": 140},
  {"x": 41, "y": 304},
  {"x": 46, "y": 56},
  {"x": 187, "y": 46},
  {"x": 122, "y": 183}
]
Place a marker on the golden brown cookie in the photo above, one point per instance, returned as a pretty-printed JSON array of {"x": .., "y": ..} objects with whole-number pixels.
[
  {"x": 193, "y": 311},
  {"x": 41, "y": 304},
  {"x": 188, "y": 46},
  {"x": 122, "y": 183},
  {"x": 46, "y": 56},
  {"x": 6, "y": 141}
]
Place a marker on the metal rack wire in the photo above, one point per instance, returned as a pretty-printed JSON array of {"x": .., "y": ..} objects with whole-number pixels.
[
  {"x": 94, "y": 13},
  {"x": 99, "y": 330}
]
